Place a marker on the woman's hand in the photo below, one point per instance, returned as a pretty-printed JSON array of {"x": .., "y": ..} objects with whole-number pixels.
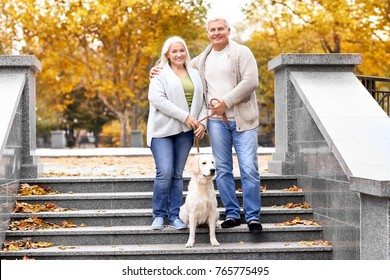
[
  {"x": 191, "y": 123},
  {"x": 198, "y": 128},
  {"x": 199, "y": 132}
]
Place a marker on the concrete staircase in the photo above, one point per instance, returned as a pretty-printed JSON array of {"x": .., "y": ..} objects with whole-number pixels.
[{"x": 117, "y": 215}]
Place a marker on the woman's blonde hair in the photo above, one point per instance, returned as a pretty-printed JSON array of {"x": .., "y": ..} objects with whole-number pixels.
[{"x": 167, "y": 44}]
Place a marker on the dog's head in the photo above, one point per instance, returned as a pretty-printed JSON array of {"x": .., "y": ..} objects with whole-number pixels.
[{"x": 203, "y": 165}]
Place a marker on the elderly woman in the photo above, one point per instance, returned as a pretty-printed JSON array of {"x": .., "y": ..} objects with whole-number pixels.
[{"x": 176, "y": 103}]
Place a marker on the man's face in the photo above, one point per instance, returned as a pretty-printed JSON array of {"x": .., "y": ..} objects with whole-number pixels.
[{"x": 218, "y": 34}]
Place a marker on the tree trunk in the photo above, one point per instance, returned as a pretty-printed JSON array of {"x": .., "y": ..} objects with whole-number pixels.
[
  {"x": 124, "y": 133},
  {"x": 134, "y": 124}
]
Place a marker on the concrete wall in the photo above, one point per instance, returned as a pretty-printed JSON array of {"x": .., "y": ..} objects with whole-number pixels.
[
  {"x": 17, "y": 129},
  {"x": 335, "y": 138},
  {"x": 10, "y": 171},
  {"x": 326, "y": 186}
]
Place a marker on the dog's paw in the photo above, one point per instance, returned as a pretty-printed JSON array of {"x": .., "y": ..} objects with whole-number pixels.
[
  {"x": 214, "y": 242},
  {"x": 189, "y": 244}
]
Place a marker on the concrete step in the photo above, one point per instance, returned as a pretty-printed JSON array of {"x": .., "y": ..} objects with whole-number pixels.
[
  {"x": 201, "y": 251},
  {"x": 120, "y": 235},
  {"x": 117, "y": 214},
  {"x": 141, "y": 184},
  {"x": 137, "y": 200},
  {"x": 143, "y": 217}
]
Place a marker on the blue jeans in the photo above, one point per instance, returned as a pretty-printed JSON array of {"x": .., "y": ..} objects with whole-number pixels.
[
  {"x": 223, "y": 137},
  {"x": 170, "y": 156}
]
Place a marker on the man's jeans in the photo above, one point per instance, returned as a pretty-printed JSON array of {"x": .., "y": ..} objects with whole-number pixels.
[
  {"x": 223, "y": 137},
  {"x": 170, "y": 155}
]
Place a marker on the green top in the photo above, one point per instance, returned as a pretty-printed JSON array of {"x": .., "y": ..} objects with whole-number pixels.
[{"x": 188, "y": 87}]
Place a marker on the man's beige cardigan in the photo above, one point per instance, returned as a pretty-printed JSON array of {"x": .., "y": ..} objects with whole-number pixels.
[{"x": 244, "y": 77}]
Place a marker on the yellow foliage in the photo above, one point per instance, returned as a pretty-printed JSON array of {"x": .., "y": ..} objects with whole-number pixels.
[
  {"x": 327, "y": 26},
  {"x": 104, "y": 47},
  {"x": 112, "y": 129}
]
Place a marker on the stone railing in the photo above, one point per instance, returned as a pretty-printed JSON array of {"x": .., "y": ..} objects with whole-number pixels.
[
  {"x": 332, "y": 134},
  {"x": 17, "y": 129}
]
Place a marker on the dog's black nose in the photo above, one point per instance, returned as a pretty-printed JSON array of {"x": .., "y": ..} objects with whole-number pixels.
[{"x": 212, "y": 171}]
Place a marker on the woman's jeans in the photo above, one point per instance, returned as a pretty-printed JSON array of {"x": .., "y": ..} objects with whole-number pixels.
[
  {"x": 170, "y": 156},
  {"x": 223, "y": 137}
]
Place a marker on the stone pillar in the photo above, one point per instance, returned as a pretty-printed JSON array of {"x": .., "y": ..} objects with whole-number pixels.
[
  {"x": 374, "y": 217},
  {"x": 28, "y": 65},
  {"x": 283, "y": 159}
]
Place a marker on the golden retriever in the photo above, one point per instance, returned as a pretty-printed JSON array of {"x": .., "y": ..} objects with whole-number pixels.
[{"x": 200, "y": 206}]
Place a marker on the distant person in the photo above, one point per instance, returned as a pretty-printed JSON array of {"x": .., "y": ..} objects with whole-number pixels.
[{"x": 176, "y": 103}]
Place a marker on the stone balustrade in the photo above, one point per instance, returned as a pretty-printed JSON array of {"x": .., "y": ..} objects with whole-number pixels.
[{"x": 333, "y": 135}]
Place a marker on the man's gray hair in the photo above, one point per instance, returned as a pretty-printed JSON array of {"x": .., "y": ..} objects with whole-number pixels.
[{"x": 216, "y": 18}]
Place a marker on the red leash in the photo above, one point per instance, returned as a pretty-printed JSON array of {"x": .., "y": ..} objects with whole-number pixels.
[{"x": 224, "y": 118}]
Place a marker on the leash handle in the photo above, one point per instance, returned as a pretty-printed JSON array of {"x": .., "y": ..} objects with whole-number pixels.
[{"x": 224, "y": 118}]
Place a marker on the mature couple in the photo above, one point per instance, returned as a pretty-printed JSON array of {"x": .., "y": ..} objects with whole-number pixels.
[{"x": 179, "y": 94}]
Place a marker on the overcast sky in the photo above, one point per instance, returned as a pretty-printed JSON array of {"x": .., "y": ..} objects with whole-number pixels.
[{"x": 231, "y": 9}]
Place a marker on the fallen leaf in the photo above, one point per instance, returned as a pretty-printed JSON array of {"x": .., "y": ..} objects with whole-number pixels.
[
  {"x": 63, "y": 247},
  {"x": 68, "y": 224},
  {"x": 290, "y": 205},
  {"x": 26, "y": 190},
  {"x": 23, "y": 207},
  {"x": 12, "y": 247},
  {"x": 315, "y": 243},
  {"x": 24, "y": 244},
  {"x": 26, "y": 258},
  {"x": 32, "y": 223},
  {"x": 293, "y": 189},
  {"x": 297, "y": 221},
  {"x": 41, "y": 244}
]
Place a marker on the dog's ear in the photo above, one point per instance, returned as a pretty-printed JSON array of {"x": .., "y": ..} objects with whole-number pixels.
[{"x": 194, "y": 165}]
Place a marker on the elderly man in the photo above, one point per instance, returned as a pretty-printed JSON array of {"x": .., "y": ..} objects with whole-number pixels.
[{"x": 229, "y": 74}]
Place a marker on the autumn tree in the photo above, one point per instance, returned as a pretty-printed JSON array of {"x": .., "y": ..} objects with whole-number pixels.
[
  {"x": 319, "y": 26},
  {"x": 105, "y": 48},
  {"x": 6, "y": 34}
]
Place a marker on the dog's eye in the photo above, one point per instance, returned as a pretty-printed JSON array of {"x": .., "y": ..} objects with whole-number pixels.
[{"x": 204, "y": 163}]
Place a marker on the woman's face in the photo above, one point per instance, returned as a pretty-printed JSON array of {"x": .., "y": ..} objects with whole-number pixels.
[{"x": 177, "y": 54}]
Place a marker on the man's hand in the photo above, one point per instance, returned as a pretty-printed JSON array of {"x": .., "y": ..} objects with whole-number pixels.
[
  {"x": 154, "y": 71},
  {"x": 219, "y": 108}
]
